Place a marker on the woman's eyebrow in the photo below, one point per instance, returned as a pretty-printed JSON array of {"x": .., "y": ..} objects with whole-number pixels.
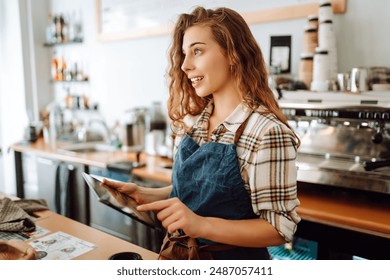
[{"x": 195, "y": 43}]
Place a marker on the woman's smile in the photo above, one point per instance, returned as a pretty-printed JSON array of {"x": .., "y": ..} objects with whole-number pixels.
[{"x": 196, "y": 80}]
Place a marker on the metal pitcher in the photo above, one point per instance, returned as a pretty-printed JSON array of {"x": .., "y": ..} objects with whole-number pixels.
[
  {"x": 133, "y": 126},
  {"x": 359, "y": 79}
]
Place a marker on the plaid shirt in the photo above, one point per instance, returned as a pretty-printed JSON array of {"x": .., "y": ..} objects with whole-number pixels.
[{"x": 266, "y": 153}]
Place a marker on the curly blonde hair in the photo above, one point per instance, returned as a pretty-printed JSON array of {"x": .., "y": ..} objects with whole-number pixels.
[{"x": 248, "y": 68}]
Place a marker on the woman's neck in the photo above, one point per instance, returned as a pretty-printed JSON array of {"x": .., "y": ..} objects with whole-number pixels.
[{"x": 224, "y": 105}]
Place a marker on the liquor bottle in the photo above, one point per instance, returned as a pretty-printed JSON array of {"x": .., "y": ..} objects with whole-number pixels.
[
  {"x": 71, "y": 27},
  {"x": 65, "y": 28},
  {"x": 61, "y": 23},
  {"x": 78, "y": 28},
  {"x": 54, "y": 68},
  {"x": 50, "y": 29}
]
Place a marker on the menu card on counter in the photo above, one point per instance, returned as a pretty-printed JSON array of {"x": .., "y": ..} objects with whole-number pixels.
[{"x": 60, "y": 246}]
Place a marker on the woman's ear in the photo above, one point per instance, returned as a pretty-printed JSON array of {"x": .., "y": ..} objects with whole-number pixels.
[{"x": 232, "y": 67}]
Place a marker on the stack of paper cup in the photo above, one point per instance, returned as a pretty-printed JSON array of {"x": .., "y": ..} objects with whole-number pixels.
[
  {"x": 325, "y": 58},
  {"x": 310, "y": 39},
  {"x": 320, "y": 70},
  {"x": 327, "y": 40},
  {"x": 310, "y": 43},
  {"x": 312, "y": 20},
  {"x": 325, "y": 11},
  {"x": 306, "y": 69}
]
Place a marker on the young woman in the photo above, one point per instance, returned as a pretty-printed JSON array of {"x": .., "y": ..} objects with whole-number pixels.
[{"x": 234, "y": 173}]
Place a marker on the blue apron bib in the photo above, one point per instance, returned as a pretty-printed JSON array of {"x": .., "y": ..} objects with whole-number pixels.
[{"x": 207, "y": 180}]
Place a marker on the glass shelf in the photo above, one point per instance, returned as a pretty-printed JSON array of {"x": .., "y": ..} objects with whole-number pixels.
[
  {"x": 63, "y": 43},
  {"x": 70, "y": 81}
]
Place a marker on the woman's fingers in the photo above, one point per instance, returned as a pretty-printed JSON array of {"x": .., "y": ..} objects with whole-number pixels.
[
  {"x": 30, "y": 254},
  {"x": 17, "y": 250},
  {"x": 168, "y": 217},
  {"x": 120, "y": 190},
  {"x": 112, "y": 184},
  {"x": 173, "y": 214},
  {"x": 155, "y": 206},
  {"x": 119, "y": 186}
]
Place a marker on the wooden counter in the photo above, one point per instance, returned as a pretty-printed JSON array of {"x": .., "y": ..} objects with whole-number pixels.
[
  {"x": 97, "y": 159},
  {"x": 107, "y": 244},
  {"x": 349, "y": 212}
]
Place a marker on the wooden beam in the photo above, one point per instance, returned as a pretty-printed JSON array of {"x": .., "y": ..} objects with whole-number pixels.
[
  {"x": 260, "y": 16},
  {"x": 291, "y": 12}
]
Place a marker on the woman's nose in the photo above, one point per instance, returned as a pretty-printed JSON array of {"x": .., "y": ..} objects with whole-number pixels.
[{"x": 186, "y": 65}]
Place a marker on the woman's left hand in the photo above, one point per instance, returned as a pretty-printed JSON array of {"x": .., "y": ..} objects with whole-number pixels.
[
  {"x": 16, "y": 250},
  {"x": 175, "y": 215}
]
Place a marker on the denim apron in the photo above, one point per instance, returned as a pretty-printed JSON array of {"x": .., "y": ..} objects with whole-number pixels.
[{"x": 207, "y": 180}]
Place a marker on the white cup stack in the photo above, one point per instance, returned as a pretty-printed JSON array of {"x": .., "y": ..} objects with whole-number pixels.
[
  {"x": 320, "y": 70},
  {"x": 326, "y": 43}
]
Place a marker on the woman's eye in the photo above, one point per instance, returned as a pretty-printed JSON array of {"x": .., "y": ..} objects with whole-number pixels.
[{"x": 197, "y": 51}]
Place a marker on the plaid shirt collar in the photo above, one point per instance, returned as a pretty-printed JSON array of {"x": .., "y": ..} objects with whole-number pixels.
[{"x": 231, "y": 123}]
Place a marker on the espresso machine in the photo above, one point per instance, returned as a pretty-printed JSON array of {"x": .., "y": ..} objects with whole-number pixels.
[{"x": 345, "y": 139}]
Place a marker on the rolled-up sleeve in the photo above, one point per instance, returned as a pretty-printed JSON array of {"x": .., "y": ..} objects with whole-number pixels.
[{"x": 272, "y": 175}]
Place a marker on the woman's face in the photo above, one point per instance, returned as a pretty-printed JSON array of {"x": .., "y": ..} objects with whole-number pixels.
[{"x": 205, "y": 63}]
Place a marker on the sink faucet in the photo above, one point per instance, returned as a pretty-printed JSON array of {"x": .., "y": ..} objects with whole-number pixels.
[
  {"x": 110, "y": 137},
  {"x": 107, "y": 136}
]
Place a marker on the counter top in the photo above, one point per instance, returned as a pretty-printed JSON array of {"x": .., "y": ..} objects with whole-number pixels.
[
  {"x": 154, "y": 169},
  {"x": 352, "y": 212},
  {"x": 107, "y": 244}
]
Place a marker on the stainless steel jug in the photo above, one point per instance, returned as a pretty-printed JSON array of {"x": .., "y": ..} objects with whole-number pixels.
[
  {"x": 157, "y": 125},
  {"x": 359, "y": 79},
  {"x": 133, "y": 126}
]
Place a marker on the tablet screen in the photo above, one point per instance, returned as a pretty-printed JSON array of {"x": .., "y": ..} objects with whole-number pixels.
[{"x": 117, "y": 200}]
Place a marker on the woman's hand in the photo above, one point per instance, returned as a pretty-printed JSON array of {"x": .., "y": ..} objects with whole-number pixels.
[
  {"x": 16, "y": 250},
  {"x": 140, "y": 194},
  {"x": 123, "y": 190},
  {"x": 175, "y": 215}
]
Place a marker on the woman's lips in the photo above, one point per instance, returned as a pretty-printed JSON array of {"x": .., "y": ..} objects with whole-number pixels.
[{"x": 196, "y": 80}]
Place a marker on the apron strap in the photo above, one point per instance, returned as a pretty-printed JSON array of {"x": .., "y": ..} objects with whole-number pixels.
[{"x": 239, "y": 131}]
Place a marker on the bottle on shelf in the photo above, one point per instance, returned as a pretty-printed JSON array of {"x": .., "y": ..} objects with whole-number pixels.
[
  {"x": 50, "y": 30},
  {"x": 63, "y": 28},
  {"x": 58, "y": 22},
  {"x": 54, "y": 68},
  {"x": 78, "y": 27},
  {"x": 71, "y": 27},
  {"x": 63, "y": 69}
]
